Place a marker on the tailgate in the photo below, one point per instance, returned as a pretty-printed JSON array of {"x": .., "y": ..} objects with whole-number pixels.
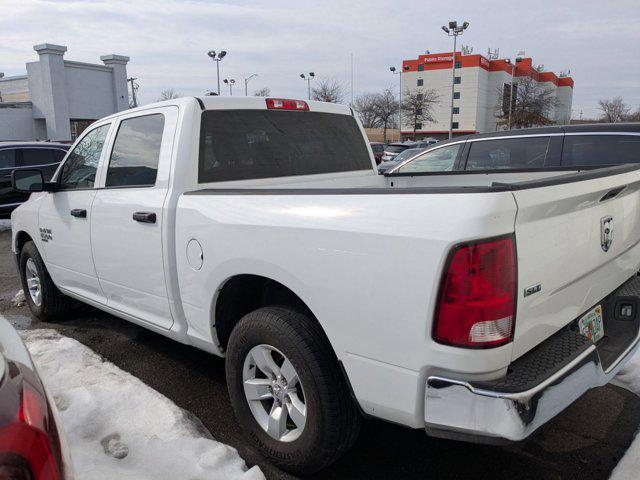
[{"x": 577, "y": 241}]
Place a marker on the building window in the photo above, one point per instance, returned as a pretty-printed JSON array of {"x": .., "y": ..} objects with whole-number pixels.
[
  {"x": 418, "y": 126},
  {"x": 457, "y": 80},
  {"x": 418, "y": 111},
  {"x": 419, "y": 97},
  {"x": 456, "y": 95},
  {"x": 79, "y": 126},
  {"x": 420, "y": 82},
  {"x": 455, "y": 125},
  {"x": 458, "y": 64},
  {"x": 420, "y": 67},
  {"x": 456, "y": 110}
]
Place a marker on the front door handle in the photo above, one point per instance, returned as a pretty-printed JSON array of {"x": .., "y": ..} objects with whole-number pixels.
[
  {"x": 79, "y": 212},
  {"x": 144, "y": 217}
]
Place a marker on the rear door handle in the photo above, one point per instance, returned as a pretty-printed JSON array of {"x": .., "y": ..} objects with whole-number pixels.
[
  {"x": 79, "y": 212},
  {"x": 144, "y": 217}
]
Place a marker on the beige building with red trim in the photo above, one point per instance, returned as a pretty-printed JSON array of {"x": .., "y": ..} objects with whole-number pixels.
[{"x": 478, "y": 86}]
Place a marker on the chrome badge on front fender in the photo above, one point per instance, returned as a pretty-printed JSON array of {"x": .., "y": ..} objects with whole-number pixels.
[{"x": 606, "y": 232}]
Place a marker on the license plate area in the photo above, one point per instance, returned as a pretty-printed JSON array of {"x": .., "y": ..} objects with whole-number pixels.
[{"x": 591, "y": 324}]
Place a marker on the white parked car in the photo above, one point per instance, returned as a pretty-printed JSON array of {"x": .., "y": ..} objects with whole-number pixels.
[{"x": 259, "y": 230}]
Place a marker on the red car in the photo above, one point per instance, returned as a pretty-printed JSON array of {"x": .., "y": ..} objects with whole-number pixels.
[
  {"x": 378, "y": 150},
  {"x": 31, "y": 445}
]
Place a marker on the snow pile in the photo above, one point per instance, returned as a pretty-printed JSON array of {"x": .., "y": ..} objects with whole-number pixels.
[
  {"x": 629, "y": 378},
  {"x": 18, "y": 299},
  {"x": 118, "y": 427},
  {"x": 5, "y": 225}
]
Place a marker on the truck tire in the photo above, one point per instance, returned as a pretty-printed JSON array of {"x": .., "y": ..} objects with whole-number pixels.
[
  {"x": 280, "y": 364},
  {"x": 44, "y": 299}
]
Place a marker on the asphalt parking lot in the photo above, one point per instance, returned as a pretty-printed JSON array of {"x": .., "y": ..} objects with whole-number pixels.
[{"x": 586, "y": 441}]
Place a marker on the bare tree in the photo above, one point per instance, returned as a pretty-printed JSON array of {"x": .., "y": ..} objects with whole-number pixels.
[
  {"x": 168, "y": 94},
  {"x": 328, "y": 90},
  {"x": 532, "y": 104},
  {"x": 386, "y": 108},
  {"x": 365, "y": 105},
  {"x": 262, "y": 92},
  {"x": 635, "y": 116},
  {"x": 417, "y": 107},
  {"x": 613, "y": 110}
]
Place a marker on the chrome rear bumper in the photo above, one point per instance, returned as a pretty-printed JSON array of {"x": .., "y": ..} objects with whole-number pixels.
[{"x": 494, "y": 412}]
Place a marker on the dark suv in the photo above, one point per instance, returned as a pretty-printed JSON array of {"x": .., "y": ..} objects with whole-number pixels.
[
  {"x": 45, "y": 156},
  {"x": 560, "y": 147}
]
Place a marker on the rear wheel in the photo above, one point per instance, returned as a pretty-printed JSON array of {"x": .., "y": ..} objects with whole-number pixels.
[
  {"x": 44, "y": 299},
  {"x": 288, "y": 392}
]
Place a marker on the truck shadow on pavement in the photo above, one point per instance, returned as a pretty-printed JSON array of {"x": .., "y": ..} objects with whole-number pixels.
[{"x": 586, "y": 441}]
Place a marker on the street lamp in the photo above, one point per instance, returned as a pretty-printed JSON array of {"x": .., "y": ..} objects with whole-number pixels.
[
  {"x": 393, "y": 70},
  {"x": 453, "y": 31},
  {"x": 217, "y": 58},
  {"x": 231, "y": 82},
  {"x": 308, "y": 79},
  {"x": 246, "y": 80}
]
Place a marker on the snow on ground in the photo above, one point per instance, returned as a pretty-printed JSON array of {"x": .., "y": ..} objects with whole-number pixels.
[
  {"x": 18, "y": 299},
  {"x": 629, "y": 466},
  {"x": 5, "y": 225},
  {"x": 118, "y": 427}
]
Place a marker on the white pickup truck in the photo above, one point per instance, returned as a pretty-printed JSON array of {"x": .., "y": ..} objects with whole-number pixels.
[{"x": 475, "y": 306}]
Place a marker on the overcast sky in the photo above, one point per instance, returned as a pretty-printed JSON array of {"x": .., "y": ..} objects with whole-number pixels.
[{"x": 279, "y": 39}]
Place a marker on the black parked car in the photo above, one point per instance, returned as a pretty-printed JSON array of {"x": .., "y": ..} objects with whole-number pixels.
[
  {"x": 45, "y": 156},
  {"x": 560, "y": 147}
]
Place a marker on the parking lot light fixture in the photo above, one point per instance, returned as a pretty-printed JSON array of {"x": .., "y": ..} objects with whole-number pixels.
[
  {"x": 217, "y": 57},
  {"x": 231, "y": 82},
  {"x": 308, "y": 78},
  {"x": 453, "y": 30},
  {"x": 395, "y": 72}
]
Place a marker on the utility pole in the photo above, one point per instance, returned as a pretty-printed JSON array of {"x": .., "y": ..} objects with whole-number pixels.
[
  {"x": 217, "y": 58},
  {"x": 246, "y": 80},
  {"x": 134, "y": 87},
  {"x": 453, "y": 31}
]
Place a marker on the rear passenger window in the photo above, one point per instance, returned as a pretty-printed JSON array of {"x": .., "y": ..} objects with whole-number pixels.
[
  {"x": 7, "y": 158},
  {"x": 590, "y": 150},
  {"x": 136, "y": 151},
  {"x": 36, "y": 156},
  {"x": 509, "y": 153}
]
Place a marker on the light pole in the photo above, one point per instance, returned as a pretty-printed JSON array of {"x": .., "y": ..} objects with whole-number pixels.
[
  {"x": 217, "y": 58},
  {"x": 393, "y": 70},
  {"x": 246, "y": 80},
  {"x": 308, "y": 79},
  {"x": 513, "y": 74},
  {"x": 453, "y": 31},
  {"x": 231, "y": 82}
]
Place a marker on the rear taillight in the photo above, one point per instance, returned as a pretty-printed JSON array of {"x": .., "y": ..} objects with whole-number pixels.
[
  {"x": 286, "y": 104},
  {"x": 476, "y": 303},
  {"x": 29, "y": 445}
]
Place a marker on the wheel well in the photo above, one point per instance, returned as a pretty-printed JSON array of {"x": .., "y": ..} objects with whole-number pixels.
[
  {"x": 21, "y": 239},
  {"x": 245, "y": 293}
]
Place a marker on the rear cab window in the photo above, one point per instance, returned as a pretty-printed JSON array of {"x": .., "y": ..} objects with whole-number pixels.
[
  {"x": 594, "y": 150},
  {"x": 252, "y": 144},
  {"x": 508, "y": 153}
]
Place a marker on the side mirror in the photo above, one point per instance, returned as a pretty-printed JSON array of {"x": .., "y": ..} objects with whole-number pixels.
[{"x": 27, "y": 181}]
